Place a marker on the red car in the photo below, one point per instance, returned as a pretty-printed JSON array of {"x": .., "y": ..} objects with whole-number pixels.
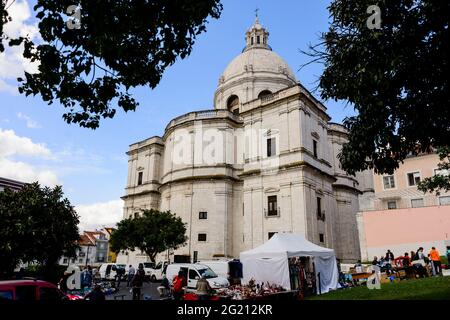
[{"x": 30, "y": 290}]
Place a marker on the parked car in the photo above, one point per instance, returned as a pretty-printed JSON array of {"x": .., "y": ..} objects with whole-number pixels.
[
  {"x": 108, "y": 271},
  {"x": 193, "y": 272},
  {"x": 30, "y": 290}
]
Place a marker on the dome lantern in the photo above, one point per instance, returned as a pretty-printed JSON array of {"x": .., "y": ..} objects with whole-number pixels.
[
  {"x": 257, "y": 36},
  {"x": 257, "y": 71}
]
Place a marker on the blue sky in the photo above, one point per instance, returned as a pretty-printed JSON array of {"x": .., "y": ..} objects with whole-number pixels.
[{"x": 92, "y": 165}]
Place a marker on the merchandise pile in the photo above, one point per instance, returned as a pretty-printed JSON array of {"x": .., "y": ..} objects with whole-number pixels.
[{"x": 249, "y": 291}]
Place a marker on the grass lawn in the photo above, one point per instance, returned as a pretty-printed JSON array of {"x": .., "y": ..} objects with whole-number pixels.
[{"x": 420, "y": 289}]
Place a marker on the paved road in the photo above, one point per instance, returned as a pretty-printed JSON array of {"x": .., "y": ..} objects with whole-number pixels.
[{"x": 149, "y": 289}]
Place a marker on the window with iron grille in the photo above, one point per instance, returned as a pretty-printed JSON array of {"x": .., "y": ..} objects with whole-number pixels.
[{"x": 203, "y": 215}]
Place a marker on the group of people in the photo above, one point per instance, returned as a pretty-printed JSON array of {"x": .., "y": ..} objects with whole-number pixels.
[
  {"x": 417, "y": 260},
  {"x": 135, "y": 281},
  {"x": 89, "y": 279},
  {"x": 203, "y": 288}
]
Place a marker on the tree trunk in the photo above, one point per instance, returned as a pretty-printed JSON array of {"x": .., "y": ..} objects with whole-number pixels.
[{"x": 151, "y": 255}]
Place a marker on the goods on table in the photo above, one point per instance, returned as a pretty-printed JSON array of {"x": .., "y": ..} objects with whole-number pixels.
[{"x": 250, "y": 291}]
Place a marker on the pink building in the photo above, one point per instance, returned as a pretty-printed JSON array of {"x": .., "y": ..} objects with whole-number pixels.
[{"x": 399, "y": 217}]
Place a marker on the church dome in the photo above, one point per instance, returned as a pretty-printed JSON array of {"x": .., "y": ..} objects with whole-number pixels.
[
  {"x": 255, "y": 71},
  {"x": 257, "y": 60}
]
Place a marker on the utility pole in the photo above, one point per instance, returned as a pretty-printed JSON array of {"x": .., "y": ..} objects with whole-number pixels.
[{"x": 87, "y": 255}]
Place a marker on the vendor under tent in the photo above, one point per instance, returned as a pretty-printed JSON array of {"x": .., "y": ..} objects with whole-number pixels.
[{"x": 269, "y": 262}]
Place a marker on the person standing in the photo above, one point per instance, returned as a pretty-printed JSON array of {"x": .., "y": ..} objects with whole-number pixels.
[
  {"x": 86, "y": 277},
  {"x": 436, "y": 260},
  {"x": 389, "y": 256},
  {"x": 131, "y": 273},
  {"x": 420, "y": 255},
  {"x": 120, "y": 272},
  {"x": 178, "y": 283},
  {"x": 138, "y": 281},
  {"x": 406, "y": 260},
  {"x": 203, "y": 289}
]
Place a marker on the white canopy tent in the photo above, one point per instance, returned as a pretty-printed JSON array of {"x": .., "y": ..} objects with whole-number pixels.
[{"x": 269, "y": 262}]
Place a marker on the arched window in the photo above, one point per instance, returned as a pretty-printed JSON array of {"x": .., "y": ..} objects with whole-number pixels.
[
  {"x": 233, "y": 104},
  {"x": 264, "y": 93}
]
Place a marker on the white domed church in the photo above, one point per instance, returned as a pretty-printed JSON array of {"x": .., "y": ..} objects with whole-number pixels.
[{"x": 263, "y": 161}]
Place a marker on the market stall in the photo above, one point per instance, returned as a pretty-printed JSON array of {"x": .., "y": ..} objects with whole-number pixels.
[{"x": 270, "y": 263}]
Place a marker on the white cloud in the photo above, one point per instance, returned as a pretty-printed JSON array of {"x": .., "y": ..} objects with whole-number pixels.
[
  {"x": 13, "y": 145},
  {"x": 12, "y": 62},
  {"x": 25, "y": 172},
  {"x": 98, "y": 215},
  {"x": 30, "y": 122}
]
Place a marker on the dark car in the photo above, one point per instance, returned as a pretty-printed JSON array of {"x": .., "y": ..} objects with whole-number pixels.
[{"x": 30, "y": 290}]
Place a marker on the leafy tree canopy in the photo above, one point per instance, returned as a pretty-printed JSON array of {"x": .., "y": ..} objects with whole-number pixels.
[
  {"x": 36, "y": 225},
  {"x": 93, "y": 54},
  {"x": 396, "y": 77},
  {"x": 152, "y": 232}
]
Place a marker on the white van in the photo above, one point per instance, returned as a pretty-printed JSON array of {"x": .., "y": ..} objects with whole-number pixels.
[
  {"x": 193, "y": 272},
  {"x": 220, "y": 267},
  {"x": 155, "y": 272},
  {"x": 108, "y": 270},
  {"x": 148, "y": 268}
]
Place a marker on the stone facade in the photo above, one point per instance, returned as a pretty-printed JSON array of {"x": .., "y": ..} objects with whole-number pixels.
[{"x": 263, "y": 161}]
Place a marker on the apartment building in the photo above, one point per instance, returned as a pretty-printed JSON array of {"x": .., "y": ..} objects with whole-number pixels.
[{"x": 399, "y": 217}]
